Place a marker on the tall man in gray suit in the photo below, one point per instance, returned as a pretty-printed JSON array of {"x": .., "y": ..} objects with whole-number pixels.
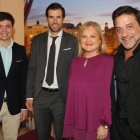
[{"x": 47, "y": 78}]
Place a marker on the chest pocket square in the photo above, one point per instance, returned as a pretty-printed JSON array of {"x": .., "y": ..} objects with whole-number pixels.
[
  {"x": 19, "y": 61},
  {"x": 66, "y": 49}
]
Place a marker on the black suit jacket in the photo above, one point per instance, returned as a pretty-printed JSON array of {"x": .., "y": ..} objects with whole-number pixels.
[
  {"x": 15, "y": 82},
  {"x": 133, "y": 99},
  {"x": 37, "y": 63}
]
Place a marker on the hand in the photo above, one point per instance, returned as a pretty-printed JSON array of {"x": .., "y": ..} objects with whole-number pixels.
[
  {"x": 23, "y": 115},
  {"x": 101, "y": 133},
  {"x": 29, "y": 104}
]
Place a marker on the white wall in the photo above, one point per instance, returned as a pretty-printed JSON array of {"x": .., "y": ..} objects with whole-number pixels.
[{"x": 16, "y": 8}]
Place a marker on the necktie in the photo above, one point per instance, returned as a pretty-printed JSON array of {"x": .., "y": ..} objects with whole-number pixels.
[{"x": 50, "y": 68}]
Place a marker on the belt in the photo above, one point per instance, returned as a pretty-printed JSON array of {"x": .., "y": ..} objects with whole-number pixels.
[
  {"x": 50, "y": 89},
  {"x": 4, "y": 99}
]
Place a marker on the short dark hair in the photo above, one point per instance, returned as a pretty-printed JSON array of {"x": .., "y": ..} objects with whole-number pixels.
[
  {"x": 7, "y": 16},
  {"x": 127, "y": 10},
  {"x": 55, "y": 6}
]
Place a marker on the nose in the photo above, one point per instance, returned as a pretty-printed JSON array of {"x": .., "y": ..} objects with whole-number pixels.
[
  {"x": 55, "y": 20},
  {"x": 88, "y": 39},
  {"x": 125, "y": 32}
]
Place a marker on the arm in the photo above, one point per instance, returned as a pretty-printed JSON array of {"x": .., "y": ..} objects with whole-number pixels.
[
  {"x": 23, "y": 114},
  {"x": 103, "y": 129},
  {"x": 29, "y": 104},
  {"x": 23, "y": 78},
  {"x": 31, "y": 71},
  {"x": 31, "y": 77},
  {"x": 108, "y": 69}
]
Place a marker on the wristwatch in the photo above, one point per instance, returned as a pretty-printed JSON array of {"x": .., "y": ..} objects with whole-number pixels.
[{"x": 105, "y": 126}]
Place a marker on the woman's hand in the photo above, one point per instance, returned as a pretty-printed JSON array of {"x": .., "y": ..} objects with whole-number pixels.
[{"x": 102, "y": 132}]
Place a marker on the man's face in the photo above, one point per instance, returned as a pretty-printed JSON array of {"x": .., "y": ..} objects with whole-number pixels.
[
  {"x": 55, "y": 21},
  {"x": 128, "y": 31},
  {"x": 6, "y": 30}
]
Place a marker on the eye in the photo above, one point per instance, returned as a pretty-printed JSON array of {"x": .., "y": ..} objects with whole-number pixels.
[
  {"x": 129, "y": 27},
  {"x": 92, "y": 36},
  {"x": 118, "y": 30},
  {"x": 50, "y": 17},
  {"x": 8, "y": 26},
  {"x": 83, "y": 36},
  {"x": 59, "y": 17}
]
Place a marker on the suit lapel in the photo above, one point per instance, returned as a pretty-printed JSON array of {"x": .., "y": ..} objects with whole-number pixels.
[
  {"x": 2, "y": 71},
  {"x": 62, "y": 46},
  {"x": 14, "y": 53},
  {"x": 44, "y": 49}
]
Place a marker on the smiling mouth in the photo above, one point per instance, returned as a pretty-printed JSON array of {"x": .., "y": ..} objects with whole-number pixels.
[
  {"x": 4, "y": 35},
  {"x": 88, "y": 44},
  {"x": 55, "y": 25}
]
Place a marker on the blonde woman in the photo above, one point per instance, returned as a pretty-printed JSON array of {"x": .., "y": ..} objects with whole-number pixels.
[{"x": 88, "y": 108}]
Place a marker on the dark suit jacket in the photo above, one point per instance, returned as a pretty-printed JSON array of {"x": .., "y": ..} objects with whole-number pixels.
[
  {"x": 133, "y": 99},
  {"x": 37, "y": 63},
  {"x": 15, "y": 82}
]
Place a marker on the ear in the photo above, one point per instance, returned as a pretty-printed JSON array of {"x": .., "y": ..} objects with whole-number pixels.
[{"x": 14, "y": 30}]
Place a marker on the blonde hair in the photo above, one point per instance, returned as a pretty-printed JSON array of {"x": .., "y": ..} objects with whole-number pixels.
[{"x": 97, "y": 27}]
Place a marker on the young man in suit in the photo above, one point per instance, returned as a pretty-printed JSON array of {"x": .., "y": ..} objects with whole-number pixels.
[
  {"x": 125, "y": 89},
  {"x": 13, "y": 69},
  {"x": 46, "y": 90}
]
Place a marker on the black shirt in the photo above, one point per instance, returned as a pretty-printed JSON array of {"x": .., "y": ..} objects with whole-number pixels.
[{"x": 124, "y": 70}]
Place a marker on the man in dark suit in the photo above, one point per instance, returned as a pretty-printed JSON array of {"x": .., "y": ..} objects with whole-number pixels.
[
  {"x": 13, "y": 69},
  {"x": 47, "y": 89},
  {"x": 125, "y": 89}
]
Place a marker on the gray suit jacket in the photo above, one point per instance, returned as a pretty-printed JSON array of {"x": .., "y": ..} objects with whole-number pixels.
[{"x": 37, "y": 63}]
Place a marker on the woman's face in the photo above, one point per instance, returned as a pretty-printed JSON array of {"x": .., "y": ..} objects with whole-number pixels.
[{"x": 90, "y": 41}]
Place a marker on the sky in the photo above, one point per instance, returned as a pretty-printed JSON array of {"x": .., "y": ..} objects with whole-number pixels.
[{"x": 80, "y": 10}]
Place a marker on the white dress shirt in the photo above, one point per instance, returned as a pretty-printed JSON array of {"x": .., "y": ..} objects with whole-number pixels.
[{"x": 57, "y": 44}]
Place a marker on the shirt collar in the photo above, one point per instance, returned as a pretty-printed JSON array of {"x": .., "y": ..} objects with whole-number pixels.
[
  {"x": 137, "y": 49},
  {"x": 121, "y": 49},
  {"x": 59, "y": 34}
]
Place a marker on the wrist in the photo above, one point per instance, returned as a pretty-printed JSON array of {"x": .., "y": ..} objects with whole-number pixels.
[{"x": 105, "y": 125}]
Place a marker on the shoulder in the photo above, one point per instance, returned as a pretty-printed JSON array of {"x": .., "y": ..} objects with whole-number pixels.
[
  {"x": 18, "y": 46},
  {"x": 106, "y": 58},
  {"x": 19, "y": 50},
  {"x": 76, "y": 59},
  {"x": 68, "y": 35},
  {"x": 40, "y": 36}
]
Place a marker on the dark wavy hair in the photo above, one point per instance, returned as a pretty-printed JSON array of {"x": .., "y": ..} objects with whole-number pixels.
[
  {"x": 126, "y": 10},
  {"x": 7, "y": 16},
  {"x": 55, "y": 6}
]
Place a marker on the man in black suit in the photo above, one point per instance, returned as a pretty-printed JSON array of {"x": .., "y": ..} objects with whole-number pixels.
[
  {"x": 125, "y": 89},
  {"x": 13, "y": 69},
  {"x": 47, "y": 89}
]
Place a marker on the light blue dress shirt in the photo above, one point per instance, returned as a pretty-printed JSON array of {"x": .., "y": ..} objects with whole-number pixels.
[{"x": 6, "y": 54}]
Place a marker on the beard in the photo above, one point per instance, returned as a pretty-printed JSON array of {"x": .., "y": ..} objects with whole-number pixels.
[
  {"x": 133, "y": 43},
  {"x": 55, "y": 29}
]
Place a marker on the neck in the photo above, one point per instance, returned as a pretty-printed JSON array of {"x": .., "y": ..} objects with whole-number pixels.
[
  {"x": 5, "y": 43},
  {"x": 54, "y": 34},
  {"x": 89, "y": 55}
]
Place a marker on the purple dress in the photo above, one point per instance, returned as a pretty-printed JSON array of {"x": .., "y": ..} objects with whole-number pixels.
[{"x": 88, "y": 99}]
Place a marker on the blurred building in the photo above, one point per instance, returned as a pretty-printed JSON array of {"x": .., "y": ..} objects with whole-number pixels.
[
  {"x": 111, "y": 39},
  {"x": 109, "y": 35},
  {"x": 31, "y": 31}
]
